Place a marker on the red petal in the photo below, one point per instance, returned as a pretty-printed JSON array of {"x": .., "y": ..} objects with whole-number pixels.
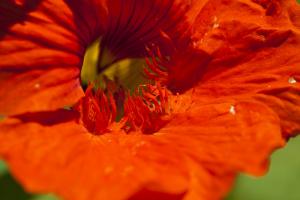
[
  {"x": 196, "y": 154},
  {"x": 235, "y": 134},
  {"x": 66, "y": 159},
  {"x": 254, "y": 49},
  {"x": 60, "y": 156},
  {"x": 37, "y": 90},
  {"x": 40, "y": 57}
]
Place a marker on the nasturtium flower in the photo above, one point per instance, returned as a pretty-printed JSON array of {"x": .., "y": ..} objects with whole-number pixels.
[{"x": 223, "y": 93}]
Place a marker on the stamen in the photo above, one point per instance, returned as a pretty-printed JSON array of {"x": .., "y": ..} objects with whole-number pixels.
[
  {"x": 148, "y": 111},
  {"x": 98, "y": 111},
  {"x": 155, "y": 63}
]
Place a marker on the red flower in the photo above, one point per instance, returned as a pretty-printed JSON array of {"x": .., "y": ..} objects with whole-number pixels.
[{"x": 233, "y": 64}]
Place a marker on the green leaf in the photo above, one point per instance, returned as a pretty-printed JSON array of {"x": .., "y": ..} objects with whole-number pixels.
[
  {"x": 45, "y": 197},
  {"x": 3, "y": 168},
  {"x": 10, "y": 189}
]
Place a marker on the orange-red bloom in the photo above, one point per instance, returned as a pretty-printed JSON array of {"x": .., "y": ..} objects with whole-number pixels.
[{"x": 230, "y": 95}]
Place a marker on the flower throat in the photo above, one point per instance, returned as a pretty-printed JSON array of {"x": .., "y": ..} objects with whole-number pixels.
[{"x": 140, "y": 106}]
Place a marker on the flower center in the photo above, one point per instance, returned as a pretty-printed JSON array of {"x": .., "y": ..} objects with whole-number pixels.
[{"x": 139, "y": 106}]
